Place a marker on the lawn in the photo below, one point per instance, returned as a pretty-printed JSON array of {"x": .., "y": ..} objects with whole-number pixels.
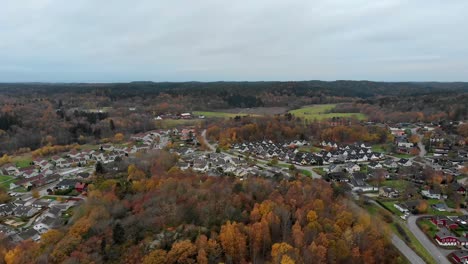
[
  {"x": 320, "y": 112},
  {"x": 391, "y": 208},
  {"x": 22, "y": 161},
  {"x": 378, "y": 148},
  {"x": 310, "y": 149},
  {"x": 399, "y": 185},
  {"x": 320, "y": 171},
  {"x": 428, "y": 227},
  {"x": 306, "y": 173},
  {"x": 401, "y": 156},
  {"x": 432, "y": 211},
  {"x": 5, "y": 181}
]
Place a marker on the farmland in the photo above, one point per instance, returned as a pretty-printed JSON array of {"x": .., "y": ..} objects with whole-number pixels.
[{"x": 321, "y": 112}]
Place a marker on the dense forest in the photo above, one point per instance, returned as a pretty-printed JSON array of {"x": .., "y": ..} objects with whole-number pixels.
[
  {"x": 34, "y": 115},
  {"x": 177, "y": 217}
]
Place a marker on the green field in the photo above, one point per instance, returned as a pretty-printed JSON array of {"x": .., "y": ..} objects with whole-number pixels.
[
  {"x": 320, "y": 112},
  {"x": 23, "y": 160},
  {"x": 5, "y": 181},
  {"x": 209, "y": 114},
  {"x": 391, "y": 208},
  {"x": 399, "y": 185}
]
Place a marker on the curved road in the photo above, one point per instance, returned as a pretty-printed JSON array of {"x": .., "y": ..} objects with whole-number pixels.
[{"x": 439, "y": 254}]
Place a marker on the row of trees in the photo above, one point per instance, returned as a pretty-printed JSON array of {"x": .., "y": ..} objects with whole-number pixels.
[{"x": 282, "y": 128}]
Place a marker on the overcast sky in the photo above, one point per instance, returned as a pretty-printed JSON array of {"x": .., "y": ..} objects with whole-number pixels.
[{"x": 210, "y": 40}]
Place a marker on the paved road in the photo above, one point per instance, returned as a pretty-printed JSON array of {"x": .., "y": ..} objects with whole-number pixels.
[
  {"x": 211, "y": 147},
  {"x": 439, "y": 254},
  {"x": 406, "y": 251}
]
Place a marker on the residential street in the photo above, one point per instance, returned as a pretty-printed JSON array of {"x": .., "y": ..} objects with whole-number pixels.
[
  {"x": 406, "y": 251},
  {"x": 437, "y": 253}
]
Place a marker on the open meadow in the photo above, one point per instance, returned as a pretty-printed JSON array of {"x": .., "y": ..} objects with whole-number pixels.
[{"x": 321, "y": 112}]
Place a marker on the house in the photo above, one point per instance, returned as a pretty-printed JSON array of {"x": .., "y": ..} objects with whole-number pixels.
[
  {"x": 388, "y": 192},
  {"x": 66, "y": 184},
  {"x": 391, "y": 164},
  {"x": 107, "y": 147},
  {"x": 25, "y": 211},
  {"x": 46, "y": 224},
  {"x": 333, "y": 168},
  {"x": 444, "y": 221},
  {"x": 458, "y": 188},
  {"x": 6, "y": 209},
  {"x": 40, "y": 204},
  {"x": 186, "y": 115},
  {"x": 446, "y": 238},
  {"x": 81, "y": 187},
  {"x": 30, "y": 234},
  {"x": 431, "y": 194},
  {"x": 374, "y": 165},
  {"x": 441, "y": 207},
  {"x": 407, "y": 207},
  {"x": 338, "y": 177},
  {"x": 405, "y": 162},
  {"x": 404, "y": 144},
  {"x": 358, "y": 184},
  {"x": 459, "y": 256},
  {"x": 351, "y": 167}
]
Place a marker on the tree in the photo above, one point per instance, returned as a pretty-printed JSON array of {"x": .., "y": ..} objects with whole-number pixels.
[
  {"x": 99, "y": 168},
  {"x": 111, "y": 125},
  {"x": 157, "y": 256},
  {"x": 233, "y": 242},
  {"x": 183, "y": 252},
  {"x": 119, "y": 137},
  {"x": 422, "y": 207},
  {"x": 118, "y": 234},
  {"x": 5, "y": 159},
  {"x": 35, "y": 193},
  {"x": 283, "y": 253},
  {"x": 134, "y": 173}
]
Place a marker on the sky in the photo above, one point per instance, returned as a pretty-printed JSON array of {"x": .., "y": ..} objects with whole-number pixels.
[{"x": 242, "y": 40}]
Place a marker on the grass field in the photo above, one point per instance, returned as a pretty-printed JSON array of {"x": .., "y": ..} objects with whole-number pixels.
[
  {"x": 402, "y": 156},
  {"x": 210, "y": 114},
  {"x": 23, "y": 160},
  {"x": 399, "y": 185},
  {"x": 428, "y": 227},
  {"x": 390, "y": 207},
  {"x": 320, "y": 112},
  {"x": 5, "y": 181}
]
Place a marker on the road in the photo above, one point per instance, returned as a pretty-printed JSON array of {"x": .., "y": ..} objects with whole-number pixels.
[
  {"x": 406, "y": 251},
  {"x": 437, "y": 253}
]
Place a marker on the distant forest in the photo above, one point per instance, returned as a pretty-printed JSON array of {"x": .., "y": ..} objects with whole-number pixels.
[
  {"x": 241, "y": 94},
  {"x": 34, "y": 115}
]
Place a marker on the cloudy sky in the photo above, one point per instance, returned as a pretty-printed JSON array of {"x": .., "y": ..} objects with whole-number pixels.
[{"x": 210, "y": 40}]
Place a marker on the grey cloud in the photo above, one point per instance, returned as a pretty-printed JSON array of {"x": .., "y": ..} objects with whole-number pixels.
[{"x": 179, "y": 40}]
